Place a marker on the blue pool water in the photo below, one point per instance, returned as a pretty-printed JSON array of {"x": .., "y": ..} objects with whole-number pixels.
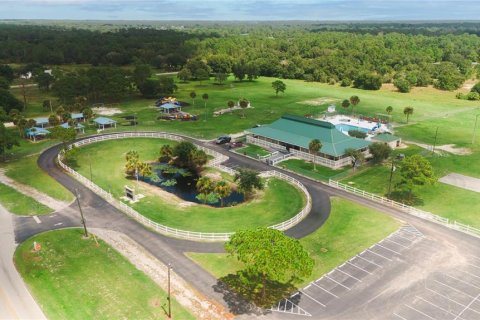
[{"x": 347, "y": 127}]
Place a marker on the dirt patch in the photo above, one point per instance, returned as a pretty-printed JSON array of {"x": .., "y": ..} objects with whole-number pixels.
[
  {"x": 319, "y": 101},
  {"x": 450, "y": 148},
  {"x": 106, "y": 111},
  {"x": 9, "y": 124},
  {"x": 200, "y": 306}
]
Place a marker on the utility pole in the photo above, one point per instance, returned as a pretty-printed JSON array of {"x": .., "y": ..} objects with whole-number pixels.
[
  {"x": 81, "y": 214},
  {"x": 90, "y": 163},
  {"x": 391, "y": 176},
  {"x": 169, "y": 293},
  {"x": 475, "y": 128},
  {"x": 435, "y": 142}
]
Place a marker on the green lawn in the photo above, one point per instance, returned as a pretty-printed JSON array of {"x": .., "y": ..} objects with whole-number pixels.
[
  {"x": 306, "y": 168},
  {"x": 350, "y": 229},
  {"x": 26, "y": 171},
  {"x": 72, "y": 278},
  {"x": 18, "y": 203},
  {"x": 108, "y": 160},
  {"x": 442, "y": 199},
  {"x": 253, "y": 151}
]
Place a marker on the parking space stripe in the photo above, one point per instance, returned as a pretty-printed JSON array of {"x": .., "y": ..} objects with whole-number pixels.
[
  {"x": 437, "y": 306},
  {"x": 338, "y": 269},
  {"x": 471, "y": 274},
  {"x": 316, "y": 285},
  {"x": 348, "y": 262},
  {"x": 379, "y": 255},
  {"x": 378, "y": 244},
  {"x": 422, "y": 313},
  {"x": 446, "y": 285},
  {"x": 398, "y": 235},
  {"x": 444, "y": 296},
  {"x": 358, "y": 255},
  {"x": 308, "y": 296},
  {"x": 459, "y": 280},
  {"x": 401, "y": 245},
  {"x": 468, "y": 306},
  {"x": 338, "y": 283},
  {"x": 395, "y": 314}
]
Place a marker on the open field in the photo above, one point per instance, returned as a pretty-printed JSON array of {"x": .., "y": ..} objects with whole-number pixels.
[
  {"x": 108, "y": 160},
  {"x": 72, "y": 278},
  {"x": 350, "y": 229},
  {"x": 26, "y": 171},
  {"x": 18, "y": 203}
]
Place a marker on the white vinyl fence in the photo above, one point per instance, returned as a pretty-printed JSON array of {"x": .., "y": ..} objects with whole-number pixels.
[
  {"x": 408, "y": 209},
  {"x": 173, "y": 232}
]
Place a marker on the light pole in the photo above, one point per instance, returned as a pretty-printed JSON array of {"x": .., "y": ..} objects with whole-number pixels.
[
  {"x": 169, "y": 293},
  {"x": 475, "y": 128},
  {"x": 90, "y": 163},
  {"x": 81, "y": 214},
  {"x": 435, "y": 142}
]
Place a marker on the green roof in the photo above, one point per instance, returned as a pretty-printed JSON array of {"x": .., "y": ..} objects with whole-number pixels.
[
  {"x": 385, "y": 137},
  {"x": 300, "y": 131}
]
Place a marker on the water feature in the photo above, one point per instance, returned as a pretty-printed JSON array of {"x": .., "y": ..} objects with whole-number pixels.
[{"x": 182, "y": 183}]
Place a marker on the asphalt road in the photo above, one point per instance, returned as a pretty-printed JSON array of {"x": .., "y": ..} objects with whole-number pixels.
[{"x": 354, "y": 305}]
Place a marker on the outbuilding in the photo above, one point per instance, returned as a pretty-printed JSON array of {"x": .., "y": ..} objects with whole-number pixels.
[
  {"x": 36, "y": 133},
  {"x": 101, "y": 122},
  {"x": 170, "y": 108},
  {"x": 387, "y": 138},
  {"x": 41, "y": 122},
  {"x": 78, "y": 127}
]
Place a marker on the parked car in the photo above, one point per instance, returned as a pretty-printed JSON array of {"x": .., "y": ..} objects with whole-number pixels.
[
  {"x": 236, "y": 144},
  {"x": 223, "y": 140}
]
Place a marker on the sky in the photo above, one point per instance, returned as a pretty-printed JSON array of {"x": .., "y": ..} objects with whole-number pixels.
[{"x": 320, "y": 10}]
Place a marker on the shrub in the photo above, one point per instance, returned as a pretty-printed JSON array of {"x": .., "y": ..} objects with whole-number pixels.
[{"x": 357, "y": 134}]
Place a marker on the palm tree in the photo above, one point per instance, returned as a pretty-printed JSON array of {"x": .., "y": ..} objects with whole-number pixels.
[
  {"x": 205, "y": 98},
  {"x": 204, "y": 186},
  {"x": 132, "y": 166},
  {"x": 389, "y": 109},
  {"x": 243, "y": 105},
  {"x": 223, "y": 190},
  {"x": 193, "y": 95},
  {"x": 346, "y": 104},
  {"x": 314, "y": 146},
  {"x": 145, "y": 169},
  {"x": 166, "y": 153},
  {"x": 408, "y": 111},
  {"x": 354, "y": 100},
  {"x": 132, "y": 154}
]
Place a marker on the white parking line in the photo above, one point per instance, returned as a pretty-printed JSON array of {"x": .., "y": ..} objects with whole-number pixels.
[
  {"x": 308, "y": 296},
  {"x": 358, "y": 267},
  {"x": 316, "y": 285},
  {"x": 399, "y": 244},
  {"x": 397, "y": 234},
  {"x": 468, "y": 306},
  {"x": 338, "y": 283},
  {"x": 444, "y": 296},
  {"x": 399, "y": 316},
  {"x": 37, "y": 220},
  {"x": 459, "y": 280},
  {"x": 378, "y": 244},
  {"x": 338, "y": 269},
  {"x": 423, "y": 313},
  {"x": 437, "y": 306},
  {"x": 473, "y": 265},
  {"x": 358, "y": 255},
  {"x": 446, "y": 285},
  {"x": 471, "y": 274},
  {"x": 379, "y": 255}
]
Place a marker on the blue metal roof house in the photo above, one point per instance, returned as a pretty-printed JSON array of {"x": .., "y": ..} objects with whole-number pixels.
[
  {"x": 79, "y": 127},
  {"x": 41, "y": 122},
  {"x": 36, "y": 133}
]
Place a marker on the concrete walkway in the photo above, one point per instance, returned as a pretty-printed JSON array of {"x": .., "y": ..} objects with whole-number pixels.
[
  {"x": 15, "y": 300},
  {"x": 462, "y": 181}
]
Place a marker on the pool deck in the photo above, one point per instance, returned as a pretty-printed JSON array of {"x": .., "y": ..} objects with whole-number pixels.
[{"x": 355, "y": 122}]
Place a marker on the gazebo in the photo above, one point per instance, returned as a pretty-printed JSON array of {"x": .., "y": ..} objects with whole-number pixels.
[
  {"x": 170, "y": 108},
  {"x": 41, "y": 122},
  {"x": 78, "y": 116},
  {"x": 101, "y": 122},
  {"x": 35, "y": 133},
  {"x": 78, "y": 127}
]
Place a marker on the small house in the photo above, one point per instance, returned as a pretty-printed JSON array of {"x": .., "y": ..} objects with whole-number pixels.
[{"x": 387, "y": 138}]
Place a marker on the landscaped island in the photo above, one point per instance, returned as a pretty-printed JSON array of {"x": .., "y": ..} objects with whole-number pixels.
[{"x": 261, "y": 208}]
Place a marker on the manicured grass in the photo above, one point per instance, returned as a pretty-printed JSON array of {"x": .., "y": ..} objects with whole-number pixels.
[
  {"x": 18, "y": 203},
  {"x": 252, "y": 151},
  {"x": 442, "y": 199},
  {"x": 350, "y": 229},
  {"x": 26, "y": 171},
  {"x": 108, "y": 161},
  {"x": 72, "y": 278},
  {"x": 306, "y": 168}
]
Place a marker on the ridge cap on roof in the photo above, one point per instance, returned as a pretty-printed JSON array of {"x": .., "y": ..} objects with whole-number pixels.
[{"x": 315, "y": 122}]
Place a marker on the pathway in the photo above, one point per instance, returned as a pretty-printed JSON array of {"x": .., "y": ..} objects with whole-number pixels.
[
  {"x": 32, "y": 193},
  {"x": 15, "y": 299}
]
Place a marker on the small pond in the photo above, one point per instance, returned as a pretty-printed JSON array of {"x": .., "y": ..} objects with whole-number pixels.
[{"x": 182, "y": 183}]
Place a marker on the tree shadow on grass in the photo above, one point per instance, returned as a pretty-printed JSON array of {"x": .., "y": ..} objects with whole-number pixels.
[
  {"x": 243, "y": 293},
  {"x": 403, "y": 197}
]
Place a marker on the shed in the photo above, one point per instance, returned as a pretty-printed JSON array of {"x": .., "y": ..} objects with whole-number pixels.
[
  {"x": 78, "y": 116},
  {"x": 101, "y": 122},
  {"x": 387, "y": 138},
  {"x": 79, "y": 127}
]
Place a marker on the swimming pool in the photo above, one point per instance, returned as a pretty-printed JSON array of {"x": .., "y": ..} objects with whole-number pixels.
[{"x": 347, "y": 127}]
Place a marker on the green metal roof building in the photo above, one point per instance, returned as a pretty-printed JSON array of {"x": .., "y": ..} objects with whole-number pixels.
[{"x": 294, "y": 133}]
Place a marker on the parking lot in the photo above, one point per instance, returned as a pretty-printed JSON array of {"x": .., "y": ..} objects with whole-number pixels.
[{"x": 343, "y": 279}]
